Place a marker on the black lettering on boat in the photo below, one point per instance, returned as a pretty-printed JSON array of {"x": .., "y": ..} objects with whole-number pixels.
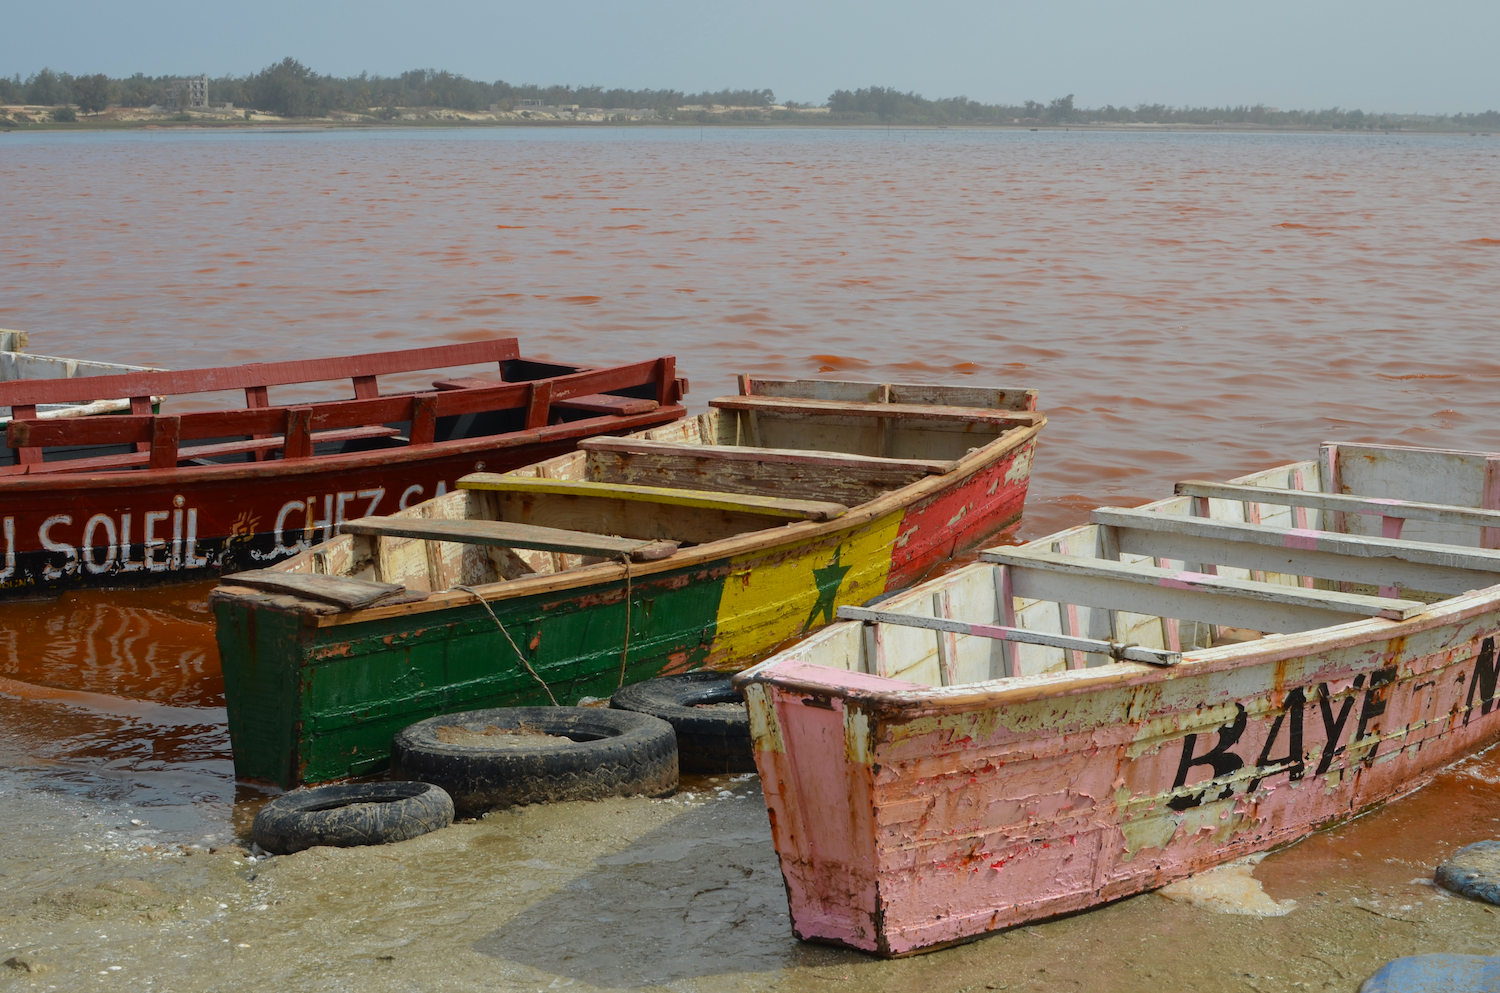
[
  {"x": 1374, "y": 705},
  {"x": 1486, "y": 671},
  {"x": 1219, "y": 758},
  {"x": 1333, "y": 729},
  {"x": 1294, "y": 762}
]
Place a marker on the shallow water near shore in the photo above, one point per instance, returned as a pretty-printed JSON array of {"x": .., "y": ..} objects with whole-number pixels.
[{"x": 1190, "y": 305}]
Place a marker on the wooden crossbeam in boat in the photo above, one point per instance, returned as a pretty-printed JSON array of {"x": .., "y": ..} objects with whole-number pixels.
[
  {"x": 805, "y": 510},
  {"x": 607, "y": 403},
  {"x": 509, "y": 535},
  {"x": 1342, "y": 503},
  {"x": 1017, "y": 398},
  {"x": 1129, "y": 653},
  {"x": 1146, "y": 589},
  {"x": 788, "y": 456},
  {"x": 341, "y": 591},
  {"x": 900, "y": 411},
  {"x": 1383, "y": 562}
]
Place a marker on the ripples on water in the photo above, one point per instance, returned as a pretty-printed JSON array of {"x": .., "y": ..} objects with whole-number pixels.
[{"x": 1189, "y": 304}]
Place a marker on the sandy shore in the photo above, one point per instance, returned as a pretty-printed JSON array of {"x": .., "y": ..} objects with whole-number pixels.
[{"x": 680, "y": 894}]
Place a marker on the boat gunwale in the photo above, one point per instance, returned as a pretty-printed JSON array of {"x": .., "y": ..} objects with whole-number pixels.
[{"x": 765, "y": 541}]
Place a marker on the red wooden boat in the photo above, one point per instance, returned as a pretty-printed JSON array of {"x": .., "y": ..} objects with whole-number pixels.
[{"x": 148, "y": 498}]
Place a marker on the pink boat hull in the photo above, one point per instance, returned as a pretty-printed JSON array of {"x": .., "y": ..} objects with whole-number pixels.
[{"x": 910, "y": 817}]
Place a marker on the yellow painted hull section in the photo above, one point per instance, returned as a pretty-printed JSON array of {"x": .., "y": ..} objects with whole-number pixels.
[{"x": 772, "y": 597}]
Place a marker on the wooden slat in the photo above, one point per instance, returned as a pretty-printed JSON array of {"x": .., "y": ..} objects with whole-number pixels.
[
  {"x": 1342, "y": 503},
  {"x": 189, "y": 452},
  {"x": 340, "y": 591},
  {"x": 1383, "y": 562},
  {"x": 508, "y": 535},
  {"x": 604, "y": 403},
  {"x": 105, "y": 429},
  {"x": 1187, "y": 595},
  {"x": 902, "y": 411},
  {"x": 782, "y": 472},
  {"x": 256, "y": 374},
  {"x": 998, "y": 398},
  {"x": 538, "y": 404},
  {"x": 164, "y": 437},
  {"x": 1130, "y": 653},
  {"x": 807, "y": 510},
  {"x": 787, "y": 456}
]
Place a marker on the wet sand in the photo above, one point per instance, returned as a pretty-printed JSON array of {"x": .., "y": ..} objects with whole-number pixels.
[{"x": 682, "y": 893}]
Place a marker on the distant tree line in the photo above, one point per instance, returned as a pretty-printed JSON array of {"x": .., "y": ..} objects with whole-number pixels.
[
  {"x": 290, "y": 89},
  {"x": 878, "y": 103}
]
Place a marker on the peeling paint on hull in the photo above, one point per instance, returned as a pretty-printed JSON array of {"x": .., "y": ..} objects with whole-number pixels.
[{"x": 910, "y": 817}]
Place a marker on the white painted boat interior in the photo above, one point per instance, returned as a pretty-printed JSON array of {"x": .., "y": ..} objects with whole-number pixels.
[
  {"x": 1190, "y": 572},
  {"x": 787, "y": 451},
  {"x": 18, "y": 364}
]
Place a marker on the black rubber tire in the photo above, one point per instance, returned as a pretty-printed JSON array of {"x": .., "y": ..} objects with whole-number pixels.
[
  {"x": 707, "y": 740},
  {"x": 611, "y": 753},
  {"x": 349, "y": 815}
]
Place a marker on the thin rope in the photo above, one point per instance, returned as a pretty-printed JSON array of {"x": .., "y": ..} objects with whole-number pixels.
[
  {"x": 485, "y": 604},
  {"x": 625, "y": 654}
]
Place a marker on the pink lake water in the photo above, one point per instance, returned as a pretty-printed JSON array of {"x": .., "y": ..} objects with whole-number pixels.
[{"x": 1189, "y": 305}]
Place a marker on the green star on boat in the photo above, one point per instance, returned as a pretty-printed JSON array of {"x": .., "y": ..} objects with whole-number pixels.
[{"x": 827, "y": 580}]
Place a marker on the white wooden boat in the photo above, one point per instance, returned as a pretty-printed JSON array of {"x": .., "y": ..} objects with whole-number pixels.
[
  {"x": 16, "y": 363},
  {"x": 1121, "y": 704}
]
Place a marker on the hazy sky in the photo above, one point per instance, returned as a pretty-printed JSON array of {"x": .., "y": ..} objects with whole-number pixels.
[{"x": 1376, "y": 55}]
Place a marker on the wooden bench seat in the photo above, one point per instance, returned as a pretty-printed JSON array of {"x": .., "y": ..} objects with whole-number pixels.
[
  {"x": 1144, "y": 589},
  {"x": 646, "y": 512},
  {"x": 1392, "y": 510},
  {"x": 1017, "y": 398},
  {"x": 1384, "y": 562},
  {"x": 607, "y": 403},
  {"x": 782, "y": 472},
  {"x": 907, "y": 411},
  {"x": 800, "y": 510},
  {"x": 340, "y": 591},
  {"x": 506, "y": 534}
]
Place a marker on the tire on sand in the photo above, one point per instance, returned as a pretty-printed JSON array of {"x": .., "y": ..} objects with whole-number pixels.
[
  {"x": 514, "y": 755},
  {"x": 349, "y": 815},
  {"x": 709, "y": 738}
]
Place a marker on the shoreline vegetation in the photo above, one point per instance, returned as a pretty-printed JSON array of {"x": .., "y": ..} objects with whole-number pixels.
[{"x": 288, "y": 92}]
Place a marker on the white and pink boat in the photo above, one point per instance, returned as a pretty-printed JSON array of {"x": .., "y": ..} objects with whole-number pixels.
[{"x": 1102, "y": 711}]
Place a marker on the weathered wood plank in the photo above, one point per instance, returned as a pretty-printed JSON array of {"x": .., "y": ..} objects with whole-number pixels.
[
  {"x": 997, "y": 632},
  {"x": 802, "y": 475},
  {"x": 806, "y": 510},
  {"x": 1383, "y": 562},
  {"x": 605, "y": 403},
  {"x": 509, "y": 535},
  {"x": 1342, "y": 503},
  {"x": 258, "y": 374},
  {"x": 340, "y": 591},
  {"x": 900, "y": 411},
  {"x": 900, "y": 393},
  {"x": 189, "y": 452},
  {"x": 1188, "y": 595},
  {"x": 790, "y": 456}
]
